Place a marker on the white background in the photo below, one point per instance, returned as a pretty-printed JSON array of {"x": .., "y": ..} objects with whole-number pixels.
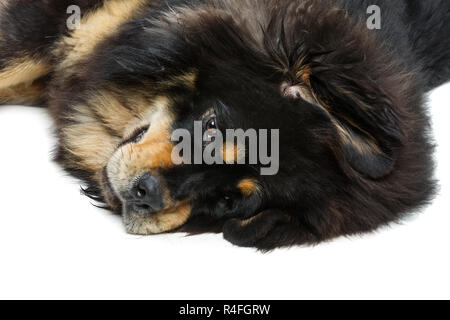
[{"x": 54, "y": 244}]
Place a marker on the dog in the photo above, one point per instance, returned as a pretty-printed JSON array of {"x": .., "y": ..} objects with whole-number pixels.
[{"x": 346, "y": 97}]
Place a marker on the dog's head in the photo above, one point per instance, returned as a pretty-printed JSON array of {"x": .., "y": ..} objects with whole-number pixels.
[{"x": 201, "y": 72}]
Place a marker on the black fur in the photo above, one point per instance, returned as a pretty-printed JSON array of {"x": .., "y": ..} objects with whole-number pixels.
[
  {"x": 368, "y": 83},
  {"x": 32, "y": 27}
]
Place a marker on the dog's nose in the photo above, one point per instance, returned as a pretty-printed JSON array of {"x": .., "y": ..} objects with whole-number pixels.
[{"x": 147, "y": 193}]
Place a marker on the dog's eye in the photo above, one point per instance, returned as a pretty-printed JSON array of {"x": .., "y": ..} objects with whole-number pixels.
[
  {"x": 211, "y": 123},
  {"x": 228, "y": 200},
  {"x": 137, "y": 136},
  {"x": 226, "y": 203},
  {"x": 210, "y": 127}
]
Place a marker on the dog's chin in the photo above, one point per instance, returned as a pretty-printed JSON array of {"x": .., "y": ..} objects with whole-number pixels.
[
  {"x": 149, "y": 223},
  {"x": 138, "y": 224}
]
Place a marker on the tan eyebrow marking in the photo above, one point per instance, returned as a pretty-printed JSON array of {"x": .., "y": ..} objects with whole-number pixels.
[{"x": 248, "y": 187}]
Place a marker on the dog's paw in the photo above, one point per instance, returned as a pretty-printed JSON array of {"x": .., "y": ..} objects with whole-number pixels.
[{"x": 250, "y": 232}]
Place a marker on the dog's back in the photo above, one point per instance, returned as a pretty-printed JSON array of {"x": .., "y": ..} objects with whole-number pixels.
[
  {"x": 429, "y": 34},
  {"x": 418, "y": 31}
]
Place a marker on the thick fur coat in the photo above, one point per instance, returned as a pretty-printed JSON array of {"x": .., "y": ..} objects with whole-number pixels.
[{"x": 355, "y": 150}]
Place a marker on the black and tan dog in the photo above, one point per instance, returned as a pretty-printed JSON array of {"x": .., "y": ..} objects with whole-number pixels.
[{"x": 354, "y": 147}]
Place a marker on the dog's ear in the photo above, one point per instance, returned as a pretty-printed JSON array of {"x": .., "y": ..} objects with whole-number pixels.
[
  {"x": 366, "y": 128},
  {"x": 367, "y": 153},
  {"x": 247, "y": 233},
  {"x": 342, "y": 67}
]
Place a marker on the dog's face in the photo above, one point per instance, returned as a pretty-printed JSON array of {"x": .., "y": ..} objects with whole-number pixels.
[
  {"x": 160, "y": 192},
  {"x": 201, "y": 68}
]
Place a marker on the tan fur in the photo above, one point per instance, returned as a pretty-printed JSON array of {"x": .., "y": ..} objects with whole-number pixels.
[
  {"x": 363, "y": 146},
  {"x": 186, "y": 80},
  {"x": 114, "y": 114},
  {"x": 96, "y": 27},
  {"x": 156, "y": 149},
  {"x": 4, "y": 2},
  {"x": 304, "y": 74},
  {"x": 150, "y": 154},
  {"x": 160, "y": 222},
  {"x": 245, "y": 223},
  {"x": 91, "y": 143},
  {"x": 90, "y": 137},
  {"x": 23, "y": 93},
  {"x": 232, "y": 153},
  {"x": 22, "y": 71},
  {"x": 248, "y": 187}
]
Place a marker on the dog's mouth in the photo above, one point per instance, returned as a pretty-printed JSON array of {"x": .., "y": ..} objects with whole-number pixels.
[
  {"x": 145, "y": 208},
  {"x": 147, "y": 222},
  {"x": 110, "y": 197}
]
